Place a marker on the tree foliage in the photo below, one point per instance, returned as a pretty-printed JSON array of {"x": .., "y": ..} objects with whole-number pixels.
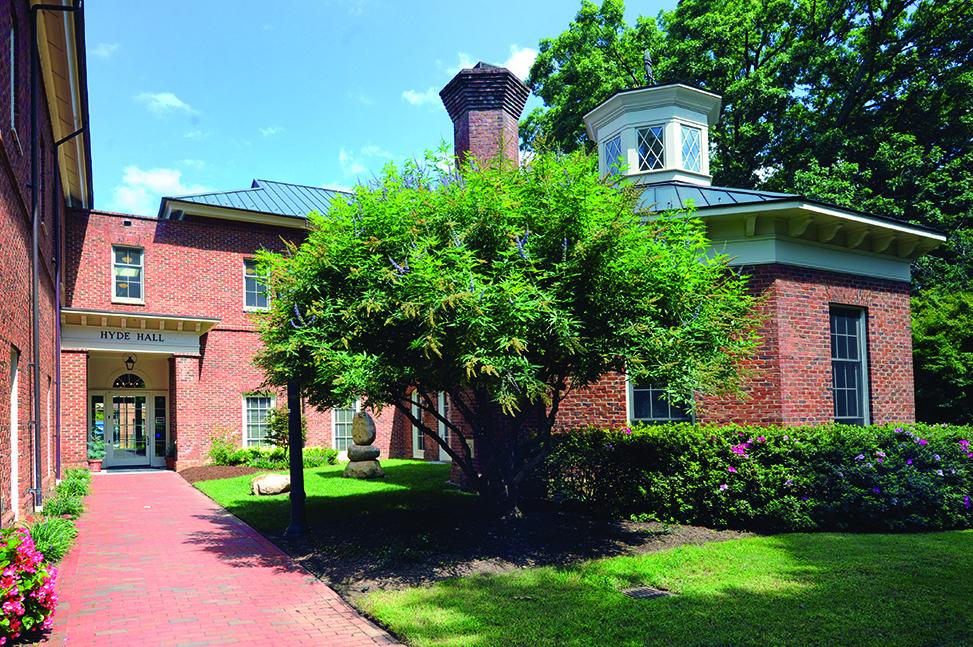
[
  {"x": 942, "y": 334},
  {"x": 503, "y": 287},
  {"x": 869, "y": 104}
]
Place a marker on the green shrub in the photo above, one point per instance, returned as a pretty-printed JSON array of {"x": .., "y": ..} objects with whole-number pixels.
[
  {"x": 64, "y": 504},
  {"x": 274, "y": 458},
  {"x": 75, "y": 485},
  {"x": 278, "y": 433},
  {"x": 53, "y": 537},
  {"x": 917, "y": 477},
  {"x": 222, "y": 448}
]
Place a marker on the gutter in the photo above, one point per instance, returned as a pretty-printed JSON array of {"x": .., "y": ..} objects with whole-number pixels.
[{"x": 38, "y": 488}]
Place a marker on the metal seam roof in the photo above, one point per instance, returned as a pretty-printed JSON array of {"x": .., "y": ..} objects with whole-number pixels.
[{"x": 266, "y": 196}]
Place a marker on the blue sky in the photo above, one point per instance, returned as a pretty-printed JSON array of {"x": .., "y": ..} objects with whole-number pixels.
[{"x": 207, "y": 95}]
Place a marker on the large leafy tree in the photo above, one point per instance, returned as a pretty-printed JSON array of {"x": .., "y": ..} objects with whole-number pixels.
[
  {"x": 942, "y": 329},
  {"x": 864, "y": 103},
  {"x": 503, "y": 287}
]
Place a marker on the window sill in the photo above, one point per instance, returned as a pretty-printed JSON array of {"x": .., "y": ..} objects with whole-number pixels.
[
  {"x": 128, "y": 302},
  {"x": 255, "y": 309}
]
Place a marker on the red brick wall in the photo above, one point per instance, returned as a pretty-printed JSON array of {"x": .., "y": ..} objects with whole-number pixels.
[
  {"x": 484, "y": 133},
  {"x": 789, "y": 378},
  {"x": 74, "y": 408},
  {"x": 16, "y": 239},
  {"x": 192, "y": 268}
]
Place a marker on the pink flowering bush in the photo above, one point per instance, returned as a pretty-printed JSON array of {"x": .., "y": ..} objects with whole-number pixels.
[
  {"x": 27, "y": 597},
  {"x": 882, "y": 478}
]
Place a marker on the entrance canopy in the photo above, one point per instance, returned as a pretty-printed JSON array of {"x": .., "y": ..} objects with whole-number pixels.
[{"x": 127, "y": 331}]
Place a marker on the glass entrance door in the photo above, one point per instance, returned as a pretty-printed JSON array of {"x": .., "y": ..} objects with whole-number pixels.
[{"x": 128, "y": 442}]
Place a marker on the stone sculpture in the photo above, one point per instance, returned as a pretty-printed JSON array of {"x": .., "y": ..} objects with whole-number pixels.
[{"x": 362, "y": 457}]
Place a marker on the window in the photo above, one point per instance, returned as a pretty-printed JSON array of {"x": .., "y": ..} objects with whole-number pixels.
[
  {"x": 127, "y": 272},
  {"x": 255, "y": 291},
  {"x": 848, "y": 366},
  {"x": 690, "y": 149},
  {"x": 418, "y": 437},
  {"x": 613, "y": 155},
  {"x": 255, "y": 413},
  {"x": 128, "y": 381},
  {"x": 649, "y": 405},
  {"x": 651, "y": 149},
  {"x": 442, "y": 407},
  {"x": 341, "y": 423}
]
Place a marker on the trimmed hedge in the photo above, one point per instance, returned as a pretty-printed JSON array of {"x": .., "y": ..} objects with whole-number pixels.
[
  {"x": 772, "y": 479},
  {"x": 267, "y": 457}
]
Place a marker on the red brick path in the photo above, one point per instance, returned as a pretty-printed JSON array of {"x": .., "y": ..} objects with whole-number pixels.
[{"x": 156, "y": 563}]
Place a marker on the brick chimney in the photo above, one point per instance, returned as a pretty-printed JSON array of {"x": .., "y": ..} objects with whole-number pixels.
[{"x": 485, "y": 103}]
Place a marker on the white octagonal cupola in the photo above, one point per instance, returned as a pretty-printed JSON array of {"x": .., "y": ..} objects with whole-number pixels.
[{"x": 658, "y": 133}]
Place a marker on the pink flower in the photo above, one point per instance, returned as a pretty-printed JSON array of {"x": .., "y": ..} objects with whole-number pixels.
[
  {"x": 733, "y": 469},
  {"x": 922, "y": 442},
  {"x": 908, "y": 461},
  {"x": 724, "y": 486}
]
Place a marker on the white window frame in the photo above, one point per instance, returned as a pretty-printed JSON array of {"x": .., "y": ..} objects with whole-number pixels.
[
  {"x": 442, "y": 408},
  {"x": 683, "y": 129},
  {"x": 256, "y": 277},
  {"x": 631, "y": 387},
  {"x": 614, "y": 166},
  {"x": 114, "y": 295},
  {"x": 418, "y": 437},
  {"x": 661, "y": 136},
  {"x": 246, "y": 416},
  {"x": 355, "y": 407},
  {"x": 864, "y": 397}
]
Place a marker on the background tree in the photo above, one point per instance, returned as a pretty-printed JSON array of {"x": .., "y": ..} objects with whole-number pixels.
[
  {"x": 867, "y": 104},
  {"x": 278, "y": 430},
  {"x": 503, "y": 287},
  {"x": 942, "y": 333}
]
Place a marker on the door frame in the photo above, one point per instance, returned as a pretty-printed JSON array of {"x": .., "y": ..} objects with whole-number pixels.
[{"x": 152, "y": 456}]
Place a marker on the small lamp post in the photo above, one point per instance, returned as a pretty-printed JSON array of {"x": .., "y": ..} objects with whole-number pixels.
[{"x": 295, "y": 440}]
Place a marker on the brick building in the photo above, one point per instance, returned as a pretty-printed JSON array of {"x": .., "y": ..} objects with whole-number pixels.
[
  {"x": 46, "y": 162},
  {"x": 155, "y": 314}
]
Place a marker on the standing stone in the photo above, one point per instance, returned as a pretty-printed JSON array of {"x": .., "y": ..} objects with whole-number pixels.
[{"x": 362, "y": 457}]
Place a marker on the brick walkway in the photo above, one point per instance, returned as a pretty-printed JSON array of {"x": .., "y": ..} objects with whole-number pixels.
[{"x": 156, "y": 563}]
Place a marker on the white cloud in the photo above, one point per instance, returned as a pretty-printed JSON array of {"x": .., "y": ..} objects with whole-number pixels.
[
  {"x": 368, "y": 159},
  {"x": 164, "y": 103},
  {"x": 520, "y": 60},
  {"x": 105, "y": 50},
  {"x": 428, "y": 98},
  {"x": 464, "y": 62},
  {"x": 273, "y": 130},
  {"x": 361, "y": 98},
  {"x": 140, "y": 192},
  {"x": 197, "y": 135},
  {"x": 197, "y": 164}
]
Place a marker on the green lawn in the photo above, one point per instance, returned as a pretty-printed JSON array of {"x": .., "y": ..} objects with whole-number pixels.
[
  {"x": 800, "y": 590},
  {"x": 407, "y": 485}
]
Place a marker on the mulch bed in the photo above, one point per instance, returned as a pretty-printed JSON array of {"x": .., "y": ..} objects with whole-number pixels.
[{"x": 406, "y": 548}]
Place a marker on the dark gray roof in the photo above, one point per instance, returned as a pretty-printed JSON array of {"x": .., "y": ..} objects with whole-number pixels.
[
  {"x": 265, "y": 196},
  {"x": 663, "y": 196}
]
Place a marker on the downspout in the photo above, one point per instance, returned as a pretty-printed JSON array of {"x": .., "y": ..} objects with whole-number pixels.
[
  {"x": 57, "y": 302},
  {"x": 38, "y": 488}
]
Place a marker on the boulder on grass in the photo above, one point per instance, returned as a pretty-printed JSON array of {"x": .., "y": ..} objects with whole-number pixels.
[
  {"x": 363, "y": 452},
  {"x": 364, "y": 470},
  {"x": 266, "y": 484}
]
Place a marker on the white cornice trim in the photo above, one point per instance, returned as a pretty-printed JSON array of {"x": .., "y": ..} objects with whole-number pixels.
[{"x": 226, "y": 213}]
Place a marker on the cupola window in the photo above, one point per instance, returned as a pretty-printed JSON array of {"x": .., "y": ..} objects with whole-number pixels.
[
  {"x": 613, "y": 155},
  {"x": 651, "y": 148},
  {"x": 690, "y": 149}
]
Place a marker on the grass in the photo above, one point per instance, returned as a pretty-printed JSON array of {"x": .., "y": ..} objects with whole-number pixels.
[
  {"x": 796, "y": 590},
  {"x": 408, "y": 485}
]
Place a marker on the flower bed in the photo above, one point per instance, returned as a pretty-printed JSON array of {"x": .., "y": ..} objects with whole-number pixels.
[
  {"x": 833, "y": 477},
  {"x": 26, "y": 586}
]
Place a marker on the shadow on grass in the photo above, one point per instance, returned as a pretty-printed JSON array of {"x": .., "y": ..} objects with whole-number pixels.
[{"x": 787, "y": 590}]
